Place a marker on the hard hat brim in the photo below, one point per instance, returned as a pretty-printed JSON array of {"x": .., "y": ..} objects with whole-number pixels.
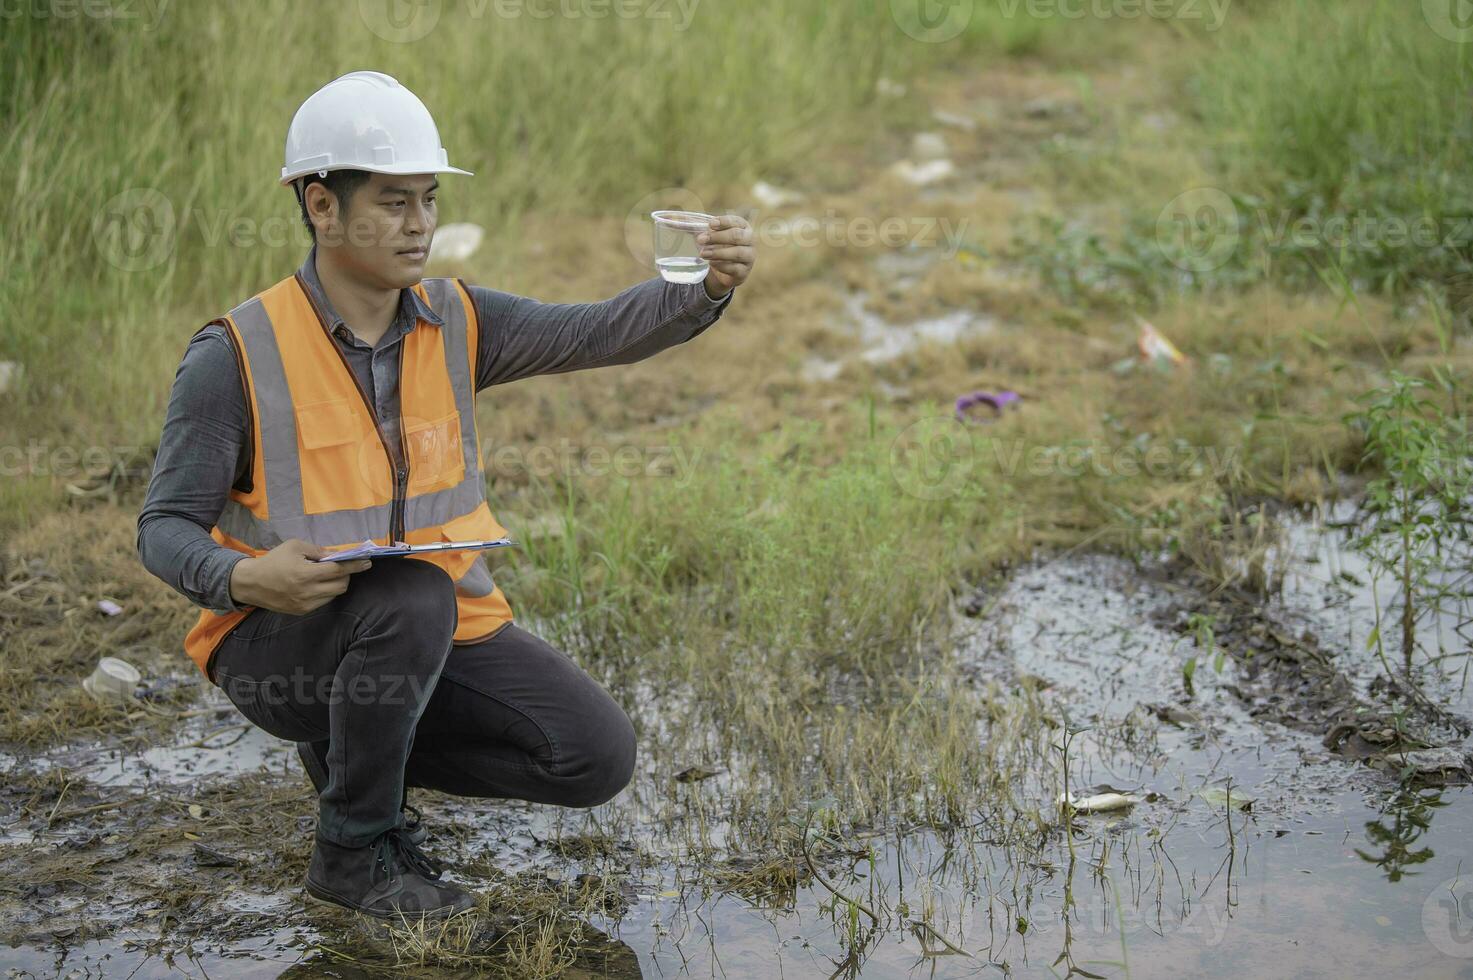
[{"x": 288, "y": 176}]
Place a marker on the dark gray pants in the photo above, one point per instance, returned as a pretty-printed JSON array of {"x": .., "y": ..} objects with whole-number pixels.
[{"x": 372, "y": 678}]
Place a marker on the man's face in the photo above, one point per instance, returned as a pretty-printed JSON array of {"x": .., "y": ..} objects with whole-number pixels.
[{"x": 384, "y": 234}]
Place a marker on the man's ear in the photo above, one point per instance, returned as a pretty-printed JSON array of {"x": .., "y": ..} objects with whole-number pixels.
[{"x": 322, "y": 207}]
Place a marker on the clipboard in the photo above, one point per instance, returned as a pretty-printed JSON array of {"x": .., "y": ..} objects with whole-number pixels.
[{"x": 368, "y": 549}]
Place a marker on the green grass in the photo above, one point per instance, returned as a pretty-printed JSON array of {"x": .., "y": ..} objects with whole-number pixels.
[
  {"x": 1320, "y": 109},
  {"x": 187, "y": 113}
]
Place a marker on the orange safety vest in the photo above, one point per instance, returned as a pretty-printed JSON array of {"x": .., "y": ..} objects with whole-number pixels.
[{"x": 320, "y": 467}]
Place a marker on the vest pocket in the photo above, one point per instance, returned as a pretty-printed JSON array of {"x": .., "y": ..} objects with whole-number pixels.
[
  {"x": 436, "y": 458},
  {"x": 324, "y": 424},
  {"x": 342, "y": 463}
]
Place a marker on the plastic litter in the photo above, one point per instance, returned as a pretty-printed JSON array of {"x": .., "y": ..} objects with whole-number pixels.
[
  {"x": 113, "y": 679},
  {"x": 889, "y": 88},
  {"x": 928, "y": 146},
  {"x": 108, "y": 607},
  {"x": 955, "y": 120},
  {"x": 1101, "y": 802},
  {"x": 772, "y": 196},
  {"x": 457, "y": 242},
  {"x": 10, "y": 374},
  {"x": 923, "y": 174},
  {"x": 1155, "y": 348},
  {"x": 997, "y": 402}
]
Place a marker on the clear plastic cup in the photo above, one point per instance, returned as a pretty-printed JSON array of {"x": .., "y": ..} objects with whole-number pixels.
[{"x": 677, "y": 255}]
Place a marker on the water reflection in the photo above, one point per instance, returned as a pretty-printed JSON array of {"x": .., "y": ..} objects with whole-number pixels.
[{"x": 1405, "y": 819}]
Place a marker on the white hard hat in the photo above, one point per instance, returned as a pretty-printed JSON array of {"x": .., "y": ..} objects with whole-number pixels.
[{"x": 364, "y": 120}]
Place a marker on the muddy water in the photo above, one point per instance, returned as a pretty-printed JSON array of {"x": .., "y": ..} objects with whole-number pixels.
[{"x": 1330, "y": 871}]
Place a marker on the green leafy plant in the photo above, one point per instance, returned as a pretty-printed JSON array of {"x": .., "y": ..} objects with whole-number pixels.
[{"x": 1417, "y": 524}]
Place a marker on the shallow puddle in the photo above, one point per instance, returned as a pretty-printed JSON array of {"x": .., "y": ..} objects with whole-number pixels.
[{"x": 1331, "y": 870}]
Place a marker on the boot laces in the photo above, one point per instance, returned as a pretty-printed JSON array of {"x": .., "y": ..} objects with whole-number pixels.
[{"x": 396, "y": 853}]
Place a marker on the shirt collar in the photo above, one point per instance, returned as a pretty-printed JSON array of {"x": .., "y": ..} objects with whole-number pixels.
[{"x": 411, "y": 307}]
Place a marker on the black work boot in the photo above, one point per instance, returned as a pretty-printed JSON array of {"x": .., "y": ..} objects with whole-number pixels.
[
  {"x": 316, "y": 767},
  {"x": 387, "y": 879}
]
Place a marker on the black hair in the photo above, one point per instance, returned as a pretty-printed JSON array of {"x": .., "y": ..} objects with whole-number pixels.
[{"x": 342, "y": 183}]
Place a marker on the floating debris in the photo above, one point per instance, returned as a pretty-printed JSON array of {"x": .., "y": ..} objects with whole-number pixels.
[
  {"x": 1102, "y": 799},
  {"x": 1219, "y": 797}
]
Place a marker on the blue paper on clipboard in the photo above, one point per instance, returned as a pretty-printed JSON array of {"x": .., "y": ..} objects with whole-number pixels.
[{"x": 370, "y": 550}]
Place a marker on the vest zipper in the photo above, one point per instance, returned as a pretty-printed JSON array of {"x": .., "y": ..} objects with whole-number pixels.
[{"x": 400, "y": 475}]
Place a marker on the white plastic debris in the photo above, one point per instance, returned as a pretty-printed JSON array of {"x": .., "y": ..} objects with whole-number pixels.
[
  {"x": 923, "y": 174},
  {"x": 954, "y": 119},
  {"x": 889, "y": 88},
  {"x": 928, "y": 146},
  {"x": 1101, "y": 802},
  {"x": 108, "y": 607},
  {"x": 113, "y": 679},
  {"x": 10, "y": 374},
  {"x": 457, "y": 242},
  {"x": 1154, "y": 347},
  {"x": 772, "y": 196}
]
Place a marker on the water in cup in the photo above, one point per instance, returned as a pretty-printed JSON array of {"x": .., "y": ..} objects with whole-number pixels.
[{"x": 677, "y": 254}]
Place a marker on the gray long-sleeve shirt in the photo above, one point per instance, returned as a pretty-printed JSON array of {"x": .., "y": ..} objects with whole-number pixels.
[{"x": 204, "y": 449}]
